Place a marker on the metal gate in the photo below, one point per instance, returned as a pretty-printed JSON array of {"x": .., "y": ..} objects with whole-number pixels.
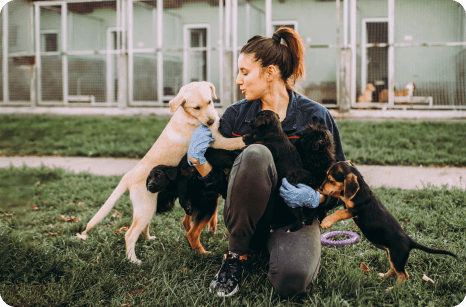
[
  {"x": 170, "y": 45},
  {"x": 408, "y": 56}
]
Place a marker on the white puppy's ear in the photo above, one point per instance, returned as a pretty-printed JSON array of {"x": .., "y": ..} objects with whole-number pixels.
[
  {"x": 212, "y": 87},
  {"x": 176, "y": 102}
]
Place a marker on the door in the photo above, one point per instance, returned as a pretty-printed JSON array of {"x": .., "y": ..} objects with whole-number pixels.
[
  {"x": 374, "y": 56},
  {"x": 196, "y": 53}
]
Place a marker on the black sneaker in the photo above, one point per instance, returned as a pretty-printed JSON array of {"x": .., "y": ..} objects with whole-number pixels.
[{"x": 228, "y": 278}]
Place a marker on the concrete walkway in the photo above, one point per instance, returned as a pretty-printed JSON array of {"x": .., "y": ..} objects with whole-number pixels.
[{"x": 405, "y": 177}]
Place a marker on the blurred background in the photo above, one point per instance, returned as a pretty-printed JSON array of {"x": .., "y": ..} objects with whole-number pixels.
[{"x": 127, "y": 53}]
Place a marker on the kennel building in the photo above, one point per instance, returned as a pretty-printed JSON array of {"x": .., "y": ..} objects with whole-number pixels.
[{"x": 138, "y": 53}]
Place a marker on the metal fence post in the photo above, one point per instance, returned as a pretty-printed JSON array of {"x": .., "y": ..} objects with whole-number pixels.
[
  {"x": 122, "y": 58},
  {"x": 6, "y": 94}
]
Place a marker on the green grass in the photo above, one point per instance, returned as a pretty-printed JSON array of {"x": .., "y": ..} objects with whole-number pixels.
[
  {"x": 404, "y": 142},
  {"x": 40, "y": 269},
  {"x": 364, "y": 142},
  {"x": 81, "y": 136}
]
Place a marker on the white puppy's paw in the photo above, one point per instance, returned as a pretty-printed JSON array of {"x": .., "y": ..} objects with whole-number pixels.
[
  {"x": 135, "y": 261},
  {"x": 81, "y": 236}
]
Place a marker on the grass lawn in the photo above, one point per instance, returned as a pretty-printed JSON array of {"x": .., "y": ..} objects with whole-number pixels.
[
  {"x": 364, "y": 142},
  {"x": 43, "y": 264}
]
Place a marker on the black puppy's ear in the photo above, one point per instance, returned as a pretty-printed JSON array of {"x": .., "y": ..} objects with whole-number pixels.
[
  {"x": 171, "y": 172},
  {"x": 351, "y": 186},
  {"x": 317, "y": 145}
]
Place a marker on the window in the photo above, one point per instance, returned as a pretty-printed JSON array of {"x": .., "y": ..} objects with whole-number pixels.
[
  {"x": 197, "y": 53},
  {"x": 286, "y": 23},
  {"x": 49, "y": 41},
  {"x": 12, "y": 35}
]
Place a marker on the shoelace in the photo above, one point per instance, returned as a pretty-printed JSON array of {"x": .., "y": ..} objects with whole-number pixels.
[{"x": 231, "y": 264}]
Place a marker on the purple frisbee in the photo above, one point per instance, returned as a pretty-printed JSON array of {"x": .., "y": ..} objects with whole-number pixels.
[{"x": 352, "y": 238}]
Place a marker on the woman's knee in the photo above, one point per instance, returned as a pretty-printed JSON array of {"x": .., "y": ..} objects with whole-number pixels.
[
  {"x": 255, "y": 160},
  {"x": 257, "y": 153}
]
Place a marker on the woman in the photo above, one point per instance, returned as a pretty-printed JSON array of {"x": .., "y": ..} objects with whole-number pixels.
[{"x": 268, "y": 70}]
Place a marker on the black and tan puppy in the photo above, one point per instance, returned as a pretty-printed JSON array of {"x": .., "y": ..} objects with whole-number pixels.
[
  {"x": 199, "y": 203},
  {"x": 267, "y": 130},
  {"x": 377, "y": 224},
  {"x": 317, "y": 150}
]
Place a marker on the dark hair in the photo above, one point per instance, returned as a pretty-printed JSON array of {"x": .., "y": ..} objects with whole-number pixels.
[{"x": 270, "y": 51}]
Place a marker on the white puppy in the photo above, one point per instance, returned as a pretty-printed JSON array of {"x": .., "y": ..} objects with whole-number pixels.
[{"x": 192, "y": 106}]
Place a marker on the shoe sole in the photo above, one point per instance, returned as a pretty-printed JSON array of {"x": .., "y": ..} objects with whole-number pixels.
[{"x": 222, "y": 294}]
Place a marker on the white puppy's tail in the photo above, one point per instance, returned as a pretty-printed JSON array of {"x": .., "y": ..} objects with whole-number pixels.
[{"x": 105, "y": 209}]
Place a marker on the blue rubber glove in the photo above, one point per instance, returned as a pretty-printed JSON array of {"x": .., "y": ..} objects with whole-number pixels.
[
  {"x": 200, "y": 140},
  {"x": 299, "y": 196}
]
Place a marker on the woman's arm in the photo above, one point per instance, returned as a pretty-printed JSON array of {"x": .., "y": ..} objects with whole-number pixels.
[
  {"x": 224, "y": 127},
  {"x": 219, "y": 133},
  {"x": 203, "y": 169}
]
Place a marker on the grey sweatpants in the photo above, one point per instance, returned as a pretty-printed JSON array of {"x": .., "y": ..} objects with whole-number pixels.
[{"x": 294, "y": 256}]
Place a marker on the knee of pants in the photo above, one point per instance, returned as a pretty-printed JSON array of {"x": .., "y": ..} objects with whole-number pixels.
[
  {"x": 289, "y": 283},
  {"x": 257, "y": 153}
]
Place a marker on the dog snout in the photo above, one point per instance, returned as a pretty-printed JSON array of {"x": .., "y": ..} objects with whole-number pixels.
[
  {"x": 150, "y": 186},
  {"x": 321, "y": 188},
  {"x": 211, "y": 121}
]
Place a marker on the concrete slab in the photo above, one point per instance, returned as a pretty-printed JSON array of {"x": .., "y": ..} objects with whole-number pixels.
[
  {"x": 354, "y": 114},
  {"x": 405, "y": 177}
]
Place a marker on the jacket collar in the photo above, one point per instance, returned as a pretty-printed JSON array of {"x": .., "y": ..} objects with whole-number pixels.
[{"x": 290, "y": 123}]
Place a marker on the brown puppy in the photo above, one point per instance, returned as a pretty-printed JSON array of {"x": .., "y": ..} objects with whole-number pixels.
[
  {"x": 377, "y": 224},
  {"x": 406, "y": 92},
  {"x": 367, "y": 95}
]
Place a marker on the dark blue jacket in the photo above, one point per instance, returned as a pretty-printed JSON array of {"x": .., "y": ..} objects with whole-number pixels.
[{"x": 301, "y": 112}]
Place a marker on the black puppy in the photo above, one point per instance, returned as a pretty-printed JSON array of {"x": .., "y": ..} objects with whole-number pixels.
[
  {"x": 317, "y": 150},
  {"x": 268, "y": 131},
  {"x": 183, "y": 182},
  {"x": 162, "y": 178}
]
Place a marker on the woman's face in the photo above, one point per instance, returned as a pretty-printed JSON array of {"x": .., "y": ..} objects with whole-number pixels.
[{"x": 251, "y": 79}]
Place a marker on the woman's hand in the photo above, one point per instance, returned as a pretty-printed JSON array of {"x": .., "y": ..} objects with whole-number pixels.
[
  {"x": 299, "y": 196},
  {"x": 200, "y": 140}
]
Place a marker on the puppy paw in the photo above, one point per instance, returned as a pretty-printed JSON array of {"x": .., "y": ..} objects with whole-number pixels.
[
  {"x": 248, "y": 139},
  {"x": 136, "y": 261},
  {"x": 81, "y": 236},
  {"x": 326, "y": 223},
  {"x": 201, "y": 251}
]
